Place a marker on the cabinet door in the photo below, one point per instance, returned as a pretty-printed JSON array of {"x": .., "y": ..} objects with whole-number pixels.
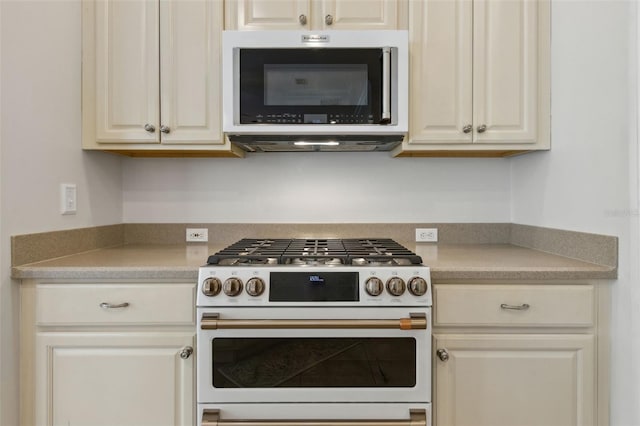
[
  {"x": 514, "y": 380},
  {"x": 359, "y": 14},
  {"x": 190, "y": 36},
  {"x": 505, "y": 71},
  {"x": 106, "y": 379},
  {"x": 127, "y": 71},
  {"x": 441, "y": 71},
  {"x": 268, "y": 14}
]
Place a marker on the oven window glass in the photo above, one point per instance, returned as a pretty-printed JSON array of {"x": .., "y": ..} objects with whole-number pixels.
[{"x": 314, "y": 362}]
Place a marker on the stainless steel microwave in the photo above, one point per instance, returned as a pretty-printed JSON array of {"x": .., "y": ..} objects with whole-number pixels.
[{"x": 334, "y": 90}]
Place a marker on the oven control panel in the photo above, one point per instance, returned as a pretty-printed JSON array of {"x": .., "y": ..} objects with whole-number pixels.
[{"x": 313, "y": 286}]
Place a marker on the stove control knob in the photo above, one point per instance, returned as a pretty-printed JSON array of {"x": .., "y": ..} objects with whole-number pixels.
[
  {"x": 255, "y": 286},
  {"x": 211, "y": 287},
  {"x": 374, "y": 286},
  {"x": 396, "y": 286},
  {"x": 232, "y": 287},
  {"x": 417, "y": 286}
]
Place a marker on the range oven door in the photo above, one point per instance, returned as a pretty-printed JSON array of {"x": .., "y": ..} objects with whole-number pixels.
[
  {"x": 316, "y": 355},
  {"x": 301, "y": 414}
]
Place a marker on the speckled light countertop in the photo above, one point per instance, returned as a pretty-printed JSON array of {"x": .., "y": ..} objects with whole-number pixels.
[
  {"x": 447, "y": 262},
  {"x": 505, "y": 261}
]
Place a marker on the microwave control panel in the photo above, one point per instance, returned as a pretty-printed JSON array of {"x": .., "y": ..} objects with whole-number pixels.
[{"x": 298, "y": 118}]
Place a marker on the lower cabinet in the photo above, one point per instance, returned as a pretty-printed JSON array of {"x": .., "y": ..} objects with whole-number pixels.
[
  {"x": 89, "y": 361},
  {"x": 106, "y": 379},
  {"x": 512, "y": 380},
  {"x": 510, "y": 354}
]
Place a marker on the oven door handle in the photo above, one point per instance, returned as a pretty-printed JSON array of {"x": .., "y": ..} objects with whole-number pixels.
[
  {"x": 416, "y": 418},
  {"x": 212, "y": 321}
]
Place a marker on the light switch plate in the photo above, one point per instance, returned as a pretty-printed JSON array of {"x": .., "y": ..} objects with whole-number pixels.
[{"x": 68, "y": 198}]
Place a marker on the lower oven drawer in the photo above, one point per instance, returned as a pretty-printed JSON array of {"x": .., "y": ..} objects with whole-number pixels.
[{"x": 314, "y": 414}]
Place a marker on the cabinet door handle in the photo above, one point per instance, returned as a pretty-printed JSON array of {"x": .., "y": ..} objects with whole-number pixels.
[
  {"x": 150, "y": 128},
  {"x": 482, "y": 128},
  {"x": 522, "y": 307},
  {"x": 165, "y": 129},
  {"x": 467, "y": 128},
  {"x": 186, "y": 352},
  {"x": 105, "y": 305},
  {"x": 302, "y": 19},
  {"x": 443, "y": 355},
  {"x": 328, "y": 19}
]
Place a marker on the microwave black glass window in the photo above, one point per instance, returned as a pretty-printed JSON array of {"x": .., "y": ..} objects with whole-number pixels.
[
  {"x": 319, "y": 86},
  {"x": 316, "y": 85}
]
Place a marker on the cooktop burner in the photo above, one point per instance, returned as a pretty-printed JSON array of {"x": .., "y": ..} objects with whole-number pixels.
[{"x": 352, "y": 251}]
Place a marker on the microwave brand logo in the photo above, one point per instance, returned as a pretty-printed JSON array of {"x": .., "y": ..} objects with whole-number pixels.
[
  {"x": 316, "y": 279},
  {"x": 315, "y": 38}
]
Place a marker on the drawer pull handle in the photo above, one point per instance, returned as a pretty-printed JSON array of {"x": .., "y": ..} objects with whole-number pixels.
[
  {"x": 105, "y": 305},
  {"x": 522, "y": 307}
]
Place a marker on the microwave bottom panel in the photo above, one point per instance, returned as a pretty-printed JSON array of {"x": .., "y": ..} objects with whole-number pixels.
[{"x": 312, "y": 143}]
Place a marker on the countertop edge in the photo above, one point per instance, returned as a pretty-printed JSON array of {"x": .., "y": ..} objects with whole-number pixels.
[
  {"x": 190, "y": 273},
  {"x": 524, "y": 274},
  {"x": 106, "y": 273}
]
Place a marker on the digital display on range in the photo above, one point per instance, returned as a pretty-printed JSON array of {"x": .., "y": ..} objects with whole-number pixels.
[{"x": 313, "y": 286}]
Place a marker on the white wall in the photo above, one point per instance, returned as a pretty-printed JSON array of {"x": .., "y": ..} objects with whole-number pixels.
[
  {"x": 582, "y": 184},
  {"x": 588, "y": 181},
  {"x": 316, "y": 188},
  {"x": 40, "y": 148}
]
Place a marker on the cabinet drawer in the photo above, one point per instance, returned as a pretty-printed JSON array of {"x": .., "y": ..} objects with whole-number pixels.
[
  {"x": 88, "y": 304},
  {"x": 513, "y": 305}
]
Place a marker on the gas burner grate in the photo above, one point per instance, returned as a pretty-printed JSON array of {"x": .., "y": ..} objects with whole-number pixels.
[
  {"x": 251, "y": 251},
  {"x": 329, "y": 251},
  {"x": 379, "y": 251},
  {"x": 315, "y": 252}
]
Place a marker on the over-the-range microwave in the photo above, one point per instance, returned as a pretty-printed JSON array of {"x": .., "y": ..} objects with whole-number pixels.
[{"x": 315, "y": 91}]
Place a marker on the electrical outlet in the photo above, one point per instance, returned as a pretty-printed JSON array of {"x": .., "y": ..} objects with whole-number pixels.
[
  {"x": 200, "y": 235},
  {"x": 427, "y": 235}
]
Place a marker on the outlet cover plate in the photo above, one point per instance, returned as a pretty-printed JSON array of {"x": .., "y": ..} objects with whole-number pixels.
[
  {"x": 426, "y": 235},
  {"x": 197, "y": 235}
]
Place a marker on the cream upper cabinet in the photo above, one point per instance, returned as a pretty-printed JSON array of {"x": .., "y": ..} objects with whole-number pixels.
[
  {"x": 511, "y": 354},
  {"x": 268, "y": 14},
  {"x": 315, "y": 14},
  {"x": 359, "y": 14},
  {"x": 151, "y": 76},
  {"x": 479, "y": 77},
  {"x": 127, "y": 71}
]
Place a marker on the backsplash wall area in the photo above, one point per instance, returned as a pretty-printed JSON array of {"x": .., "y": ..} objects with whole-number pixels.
[{"x": 316, "y": 188}]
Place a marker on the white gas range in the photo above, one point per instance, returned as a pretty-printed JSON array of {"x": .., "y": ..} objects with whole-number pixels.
[{"x": 314, "y": 332}]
